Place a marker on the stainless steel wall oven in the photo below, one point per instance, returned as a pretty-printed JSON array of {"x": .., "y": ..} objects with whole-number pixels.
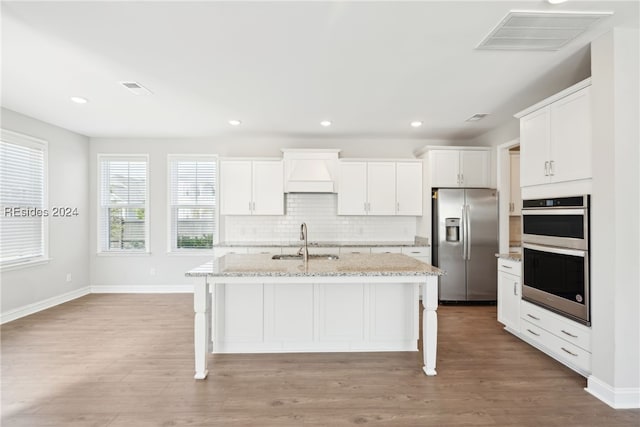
[{"x": 555, "y": 236}]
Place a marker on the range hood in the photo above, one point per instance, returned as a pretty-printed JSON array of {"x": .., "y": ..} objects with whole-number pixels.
[{"x": 310, "y": 170}]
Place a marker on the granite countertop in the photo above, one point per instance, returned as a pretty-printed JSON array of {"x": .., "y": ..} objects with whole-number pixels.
[
  {"x": 261, "y": 265},
  {"x": 511, "y": 256},
  {"x": 418, "y": 242}
]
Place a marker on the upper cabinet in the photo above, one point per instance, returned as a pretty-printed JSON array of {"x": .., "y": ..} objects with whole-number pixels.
[
  {"x": 409, "y": 188},
  {"x": 380, "y": 188},
  {"x": 555, "y": 138},
  {"x": 460, "y": 168},
  {"x": 251, "y": 187}
]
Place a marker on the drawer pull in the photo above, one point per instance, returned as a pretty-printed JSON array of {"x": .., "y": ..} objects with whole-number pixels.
[
  {"x": 567, "y": 351},
  {"x": 535, "y": 333},
  {"x": 567, "y": 333},
  {"x": 415, "y": 252},
  {"x": 533, "y": 317},
  {"x": 506, "y": 266},
  {"x": 355, "y": 252}
]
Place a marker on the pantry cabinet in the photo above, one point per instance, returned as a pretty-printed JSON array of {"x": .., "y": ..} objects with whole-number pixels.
[
  {"x": 555, "y": 138},
  {"x": 466, "y": 168},
  {"x": 251, "y": 187},
  {"x": 380, "y": 188},
  {"x": 515, "y": 199}
]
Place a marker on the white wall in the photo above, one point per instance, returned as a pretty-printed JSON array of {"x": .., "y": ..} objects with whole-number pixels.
[
  {"x": 615, "y": 247},
  {"x": 25, "y": 288},
  {"x": 110, "y": 273}
]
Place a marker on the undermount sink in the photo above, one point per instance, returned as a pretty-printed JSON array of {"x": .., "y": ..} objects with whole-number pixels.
[{"x": 295, "y": 257}]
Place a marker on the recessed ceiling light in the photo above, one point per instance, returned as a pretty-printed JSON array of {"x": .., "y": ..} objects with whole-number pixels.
[
  {"x": 235, "y": 122},
  {"x": 416, "y": 124},
  {"x": 325, "y": 123},
  {"x": 556, "y": 1},
  {"x": 79, "y": 100},
  {"x": 477, "y": 117}
]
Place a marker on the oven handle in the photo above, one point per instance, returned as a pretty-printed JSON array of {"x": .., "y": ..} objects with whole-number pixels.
[
  {"x": 530, "y": 211},
  {"x": 554, "y": 250}
]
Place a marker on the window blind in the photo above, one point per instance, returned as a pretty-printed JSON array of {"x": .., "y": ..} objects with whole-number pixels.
[
  {"x": 123, "y": 204},
  {"x": 22, "y": 199},
  {"x": 193, "y": 203}
]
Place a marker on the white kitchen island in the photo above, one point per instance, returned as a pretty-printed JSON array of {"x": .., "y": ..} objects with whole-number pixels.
[{"x": 360, "y": 302}]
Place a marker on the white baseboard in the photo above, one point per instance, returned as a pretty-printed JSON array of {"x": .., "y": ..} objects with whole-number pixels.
[
  {"x": 35, "y": 307},
  {"x": 142, "y": 289},
  {"x": 617, "y": 398}
]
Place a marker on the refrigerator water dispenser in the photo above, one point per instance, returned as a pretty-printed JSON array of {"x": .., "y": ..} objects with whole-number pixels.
[{"x": 453, "y": 229}]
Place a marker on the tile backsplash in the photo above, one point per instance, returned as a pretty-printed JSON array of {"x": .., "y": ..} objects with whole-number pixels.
[{"x": 319, "y": 211}]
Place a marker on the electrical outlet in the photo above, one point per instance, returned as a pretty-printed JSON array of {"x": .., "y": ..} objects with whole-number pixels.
[
  {"x": 68, "y": 277},
  {"x": 152, "y": 271}
]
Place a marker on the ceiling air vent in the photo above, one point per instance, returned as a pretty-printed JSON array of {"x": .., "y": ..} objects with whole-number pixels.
[
  {"x": 526, "y": 30},
  {"x": 136, "y": 88},
  {"x": 477, "y": 117}
]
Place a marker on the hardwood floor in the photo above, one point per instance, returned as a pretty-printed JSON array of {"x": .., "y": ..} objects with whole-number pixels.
[{"x": 127, "y": 360}]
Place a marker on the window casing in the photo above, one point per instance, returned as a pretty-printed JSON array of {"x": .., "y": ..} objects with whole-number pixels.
[
  {"x": 23, "y": 200},
  {"x": 123, "y": 217},
  {"x": 193, "y": 211}
]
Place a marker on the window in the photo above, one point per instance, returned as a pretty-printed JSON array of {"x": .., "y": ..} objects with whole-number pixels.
[
  {"x": 23, "y": 199},
  {"x": 193, "y": 210},
  {"x": 124, "y": 213}
]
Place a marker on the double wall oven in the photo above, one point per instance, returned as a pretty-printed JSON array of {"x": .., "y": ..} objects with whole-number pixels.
[{"x": 555, "y": 237}]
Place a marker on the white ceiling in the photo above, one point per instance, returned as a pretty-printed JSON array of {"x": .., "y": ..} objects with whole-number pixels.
[{"x": 280, "y": 67}]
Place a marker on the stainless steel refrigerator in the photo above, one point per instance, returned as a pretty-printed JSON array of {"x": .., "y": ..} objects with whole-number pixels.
[{"x": 465, "y": 236}]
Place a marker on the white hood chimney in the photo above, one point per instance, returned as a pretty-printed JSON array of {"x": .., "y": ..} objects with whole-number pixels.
[{"x": 310, "y": 170}]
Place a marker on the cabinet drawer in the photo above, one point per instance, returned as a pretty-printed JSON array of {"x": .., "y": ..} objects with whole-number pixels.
[
  {"x": 354, "y": 250},
  {"x": 416, "y": 251},
  {"x": 568, "y": 330},
  {"x": 562, "y": 350},
  {"x": 509, "y": 266},
  {"x": 386, "y": 250}
]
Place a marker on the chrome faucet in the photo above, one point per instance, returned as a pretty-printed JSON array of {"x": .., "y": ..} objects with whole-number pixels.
[{"x": 304, "y": 250}]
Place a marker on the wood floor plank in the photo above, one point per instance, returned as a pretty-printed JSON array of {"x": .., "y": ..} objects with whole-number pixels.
[{"x": 127, "y": 360}]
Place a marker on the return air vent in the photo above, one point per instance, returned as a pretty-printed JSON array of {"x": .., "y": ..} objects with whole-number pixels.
[
  {"x": 525, "y": 30},
  {"x": 136, "y": 88}
]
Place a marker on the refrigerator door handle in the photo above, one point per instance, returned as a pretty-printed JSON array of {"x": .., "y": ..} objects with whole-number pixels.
[
  {"x": 464, "y": 231},
  {"x": 468, "y": 228}
]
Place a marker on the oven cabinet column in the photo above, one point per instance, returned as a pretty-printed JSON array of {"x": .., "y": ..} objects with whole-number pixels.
[{"x": 509, "y": 294}]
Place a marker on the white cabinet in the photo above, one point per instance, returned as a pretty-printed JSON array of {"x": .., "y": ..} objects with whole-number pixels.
[
  {"x": 567, "y": 341},
  {"x": 380, "y": 188},
  {"x": 460, "y": 168},
  {"x": 352, "y": 194},
  {"x": 515, "y": 199},
  {"x": 409, "y": 188},
  {"x": 251, "y": 187},
  {"x": 509, "y": 293},
  {"x": 555, "y": 139}
]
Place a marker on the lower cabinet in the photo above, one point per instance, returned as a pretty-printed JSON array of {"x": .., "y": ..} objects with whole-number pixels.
[
  {"x": 567, "y": 341},
  {"x": 509, "y": 294},
  {"x": 298, "y": 317}
]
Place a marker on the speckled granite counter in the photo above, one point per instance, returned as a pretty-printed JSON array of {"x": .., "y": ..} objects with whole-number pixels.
[
  {"x": 359, "y": 302},
  {"x": 512, "y": 256},
  {"x": 419, "y": 242},
  {"x": 261, "y": 265}
]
